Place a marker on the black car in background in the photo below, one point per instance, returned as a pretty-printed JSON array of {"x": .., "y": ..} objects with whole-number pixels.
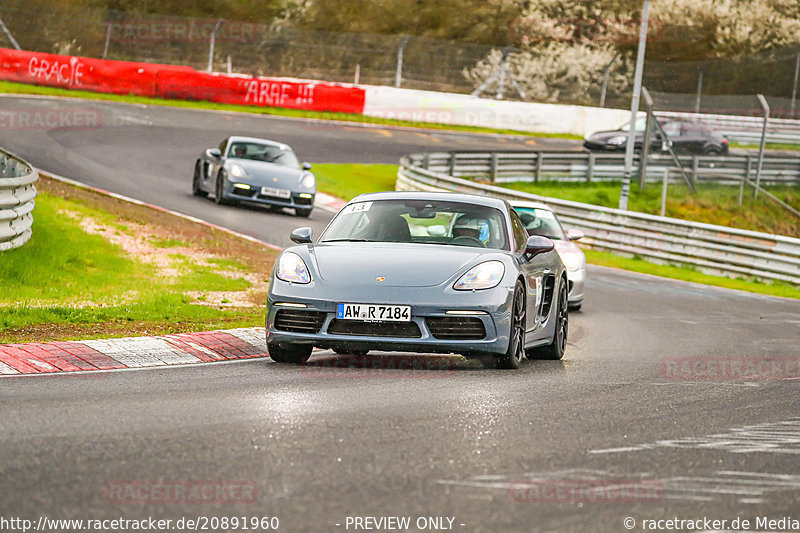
[{"x": 685, "y": 136}]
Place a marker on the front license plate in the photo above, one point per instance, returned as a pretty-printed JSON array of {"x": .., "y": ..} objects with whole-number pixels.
[
  {"x": 374, "y": 313},
  {"x": 277, "y": 193}
]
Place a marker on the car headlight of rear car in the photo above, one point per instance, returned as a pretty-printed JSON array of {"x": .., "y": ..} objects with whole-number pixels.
[
  {"x": 572, "y": 260},
  {"x": 308, "y": 181},
  {"x": 237, "y": 171},
  {"x": 620, "y": 139},
  {"x": 483, "y": 276},
  {"x": 293, "y": 269}
]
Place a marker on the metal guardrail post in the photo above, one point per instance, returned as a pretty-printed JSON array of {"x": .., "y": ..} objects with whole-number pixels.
[
  {"x": 452, "y": 163},
  {"x": 493, "y": 168},
  {"x": 664, "y": 185},
  {"x": 538, "y": 170},
  {"x": 590, "y": 168},
  {"x": 695, "y": 167},
  {"x": 426, "y": 161}
]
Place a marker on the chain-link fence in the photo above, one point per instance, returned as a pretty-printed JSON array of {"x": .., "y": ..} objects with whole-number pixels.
[{"x": 414, "y": 62}]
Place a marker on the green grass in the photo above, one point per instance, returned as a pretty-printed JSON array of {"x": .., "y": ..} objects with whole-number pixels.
[
  {"x": 685, "y": 273},
  {"x": 768, "y": 146},
  {"x": 712, "y": 204},
  {"x": 21, "y": 88},
  {"x": 64, "y": 275},
  {"x": 349, "y": 180}
]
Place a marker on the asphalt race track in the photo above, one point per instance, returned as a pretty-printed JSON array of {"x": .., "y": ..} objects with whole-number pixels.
[{"x": 674, "y": 401}]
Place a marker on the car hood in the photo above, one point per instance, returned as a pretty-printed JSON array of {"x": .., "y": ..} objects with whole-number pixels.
[
  {"x": 398, "y": 264},
  {"x": 268, "y": 174}
]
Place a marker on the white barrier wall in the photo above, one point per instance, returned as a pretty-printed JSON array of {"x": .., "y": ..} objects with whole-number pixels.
[{"x": 466, "y": 110}]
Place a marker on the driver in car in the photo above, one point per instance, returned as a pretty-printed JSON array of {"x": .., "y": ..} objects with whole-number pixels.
[{"x": 472, "y": 227}]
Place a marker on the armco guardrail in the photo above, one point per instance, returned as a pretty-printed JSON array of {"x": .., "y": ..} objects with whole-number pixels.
[
  {"x": 566, "y": 165},
  {"x": 712, "y": 249},
  {"x": 17, "y": 193}
]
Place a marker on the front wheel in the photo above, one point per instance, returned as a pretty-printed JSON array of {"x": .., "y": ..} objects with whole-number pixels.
[
  {"x": 219, "y": 190},
  {"x": 289, "y": 354},
  {"x": 196, "y": 190},
  {"x": 516, "y": 337},
  {"x": 556, "y": 349}
]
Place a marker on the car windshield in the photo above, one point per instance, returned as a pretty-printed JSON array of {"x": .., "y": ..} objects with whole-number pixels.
[
  {"x": 278, "y": 154},
  {"x": 420, "y": 221},
  {"x": 542, "y": 222},
  {"x": 641, "y": 122}
]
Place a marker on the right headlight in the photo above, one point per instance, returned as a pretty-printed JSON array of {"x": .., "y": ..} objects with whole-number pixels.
[
  {"x": 309, "y": 182},
  {"x": 616, "y": 141},
  {"x": 572, "y": 260},
  {"x": 483, "y": 276},
  {"x": 292, "y": 268}
]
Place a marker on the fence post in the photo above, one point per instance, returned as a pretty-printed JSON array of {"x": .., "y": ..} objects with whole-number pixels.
[
  {"x": 794, "y": 85},
  {"x": 741, "y": 191},
  {"x": 699, "y": 91},
  {"x": 398, "y": 75},
  {"x": 537, "y": 172},
  {"x": 765, "y": 107},
  {"x": 664, "y": 191},
  {"x": 648, "y": 101},
  {"x": 212, "y": 42},
  {"x": 695, "y": 167},
  {"x": 452, "y": 163},
  {"x": 493, "y": 168},
  {"x": 590, "y": 170},
  {"x": 426, "y": 161}
]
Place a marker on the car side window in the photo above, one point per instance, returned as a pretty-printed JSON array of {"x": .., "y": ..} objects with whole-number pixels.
[
  {"x": 520, "y": 233},
  {"x": 672, "y": 129}
]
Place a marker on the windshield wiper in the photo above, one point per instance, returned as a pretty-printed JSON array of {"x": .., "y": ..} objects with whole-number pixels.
[{"x": 347, "y": 240}]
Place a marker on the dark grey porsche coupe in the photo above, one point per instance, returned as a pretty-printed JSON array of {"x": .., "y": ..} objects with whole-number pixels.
[
  {"x": 420, "y": 272},
  {"x": 246, "y": 169}
]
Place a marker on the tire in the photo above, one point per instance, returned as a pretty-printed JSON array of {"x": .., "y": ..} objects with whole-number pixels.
[
  {"x": 555, "y": 350},
  {"x": 712, "y": 151},
  {"x": 303, "y": 212},
  {"x": 297, "y": 355},
  {"x": 516, "y": 337},
  {"x": 576, "y": 307},
  {"x": 219, "y": 195},
  {"x": 196, "y": 190}
]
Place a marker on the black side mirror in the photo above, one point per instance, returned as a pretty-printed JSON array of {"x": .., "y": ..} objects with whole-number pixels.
[
  {"x": 301, "y": 236},
  {"x": 214, "y": 152},
  {"x": 538, "y": 245},
  {"x": 306, "y": 166}
]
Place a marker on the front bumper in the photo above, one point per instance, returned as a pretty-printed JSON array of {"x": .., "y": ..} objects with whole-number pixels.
[
  {"x": 576, "y": 280},
  {"x": 491, "y": 307},
  {"x": 254, "y": 195}
]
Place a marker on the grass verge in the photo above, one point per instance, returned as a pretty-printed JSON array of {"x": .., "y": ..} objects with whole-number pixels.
[
  {"x": 712, "y": 204},
  {"x": 349, "y": 180},
  {"x": 100, "y": 267},
  {"x": 21, "y": 88}
]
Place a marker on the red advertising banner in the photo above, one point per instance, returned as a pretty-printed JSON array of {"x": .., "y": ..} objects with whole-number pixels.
[{"x": 149, "y": 79}]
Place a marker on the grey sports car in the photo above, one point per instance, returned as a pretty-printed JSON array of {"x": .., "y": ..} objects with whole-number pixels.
[
  {"x": 420, "y": 272},
  {"x": 246, "y": 169}
]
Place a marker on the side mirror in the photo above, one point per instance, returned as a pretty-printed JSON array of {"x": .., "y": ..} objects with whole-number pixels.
[
  {"x": 306, "y": 166},
  {"x": 214, "y": 152},
  {"x": 301, "y": 236},
  {"x": 538, "y": 245},
  {"x": 575, "y": 234}
]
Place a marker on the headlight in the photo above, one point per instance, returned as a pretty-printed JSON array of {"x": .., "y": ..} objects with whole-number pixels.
[
  {"x": 572, "y": 260},
  {"x": 237, "y": 171},
  {"x": 291, "y": 268},
  {"x": 308, "y": 181},
  {"x": 618, "y": 140},
  {"x": 484, "y": 276}
]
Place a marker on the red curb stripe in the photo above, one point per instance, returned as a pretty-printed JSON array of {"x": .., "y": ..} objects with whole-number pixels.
[
  {"x": 9, "y": 357},
  {"x": 227, "y": 345},
  {"x": 41, "y": 354},
  {"x": 88, "y": 355},
  {"x": 183, "y": 346}
]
